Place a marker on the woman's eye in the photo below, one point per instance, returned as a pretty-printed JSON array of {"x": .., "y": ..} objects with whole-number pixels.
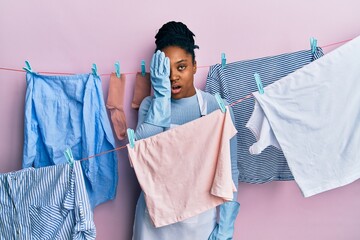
[{"x": 181, "y": 68}]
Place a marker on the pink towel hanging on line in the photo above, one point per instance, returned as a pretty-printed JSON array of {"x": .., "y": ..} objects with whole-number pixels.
[{"x": 186, "y": 170}]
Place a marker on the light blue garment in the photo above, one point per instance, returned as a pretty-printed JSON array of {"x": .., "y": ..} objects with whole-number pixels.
[
  {"x": 160, "y": 110},
  {"x": 69, "y": 111},
  {"x": 198, "y": 227},
  {"x": 224, "y": 230},
  {"x": 48, "y": 203}
]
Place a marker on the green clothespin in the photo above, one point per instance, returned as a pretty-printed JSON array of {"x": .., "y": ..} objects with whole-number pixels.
[
  {"x": 259, "y": 83},
  {"x": 220, "y": 102},
  {"x": 28, "y": 67},
  {"x": 117, "y": 69},
  {"x": 223, "y": 60},
  {"x": 313, "y": 45},
  {"x": 69, "y": 157},
  {"x": 94, "y": 70},
  {"x": 131, "y": 137}
]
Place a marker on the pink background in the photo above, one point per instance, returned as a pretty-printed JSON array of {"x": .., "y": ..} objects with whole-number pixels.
[{"x": 68, "y": 36}]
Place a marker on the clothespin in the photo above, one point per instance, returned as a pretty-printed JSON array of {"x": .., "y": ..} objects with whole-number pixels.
[
  {"x": 220, "y": 102},
  {"x": 28, "y": 67},
  {"x": 313, "y": 45},
  {"x": 131, "y": 137},
  {"x": 223, "y": 60},
  {"x": 117, "y": 69},
  {"x": 94, "y": 70},
  {"x": 69, "y": 157},
  {"x": 143, "y": 69},
  {"x": 259, "y": 83}
]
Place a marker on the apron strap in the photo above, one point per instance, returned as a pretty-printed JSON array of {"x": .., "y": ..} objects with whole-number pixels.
[{"x": 202, "y": 104}]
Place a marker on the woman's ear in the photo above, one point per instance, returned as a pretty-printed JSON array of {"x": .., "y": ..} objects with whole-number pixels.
[{"x": 194, "y": 67}]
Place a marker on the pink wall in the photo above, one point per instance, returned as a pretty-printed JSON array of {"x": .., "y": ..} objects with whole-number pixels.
[{"x": 68, "y": 36}]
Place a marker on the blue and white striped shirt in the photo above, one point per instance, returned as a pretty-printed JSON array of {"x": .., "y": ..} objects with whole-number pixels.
[
  {"x": 45, "y": 203},
  {"x": 236, "y": 81}
]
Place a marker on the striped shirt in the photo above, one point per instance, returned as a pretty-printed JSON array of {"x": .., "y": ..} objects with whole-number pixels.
[
  {"x": 236, "y": 81},
  {"x": 45, "y": 203}
]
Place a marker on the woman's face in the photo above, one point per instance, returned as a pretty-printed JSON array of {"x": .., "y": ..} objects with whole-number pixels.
[{"x": 182, "y": 70}]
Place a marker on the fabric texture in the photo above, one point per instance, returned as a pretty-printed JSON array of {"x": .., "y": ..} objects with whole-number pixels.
[
  {"x": 142, "y": 89},
  {"x": 200, "y": 226},
  {"x": 48, "y": 203},
  {"x": 115, "y": 103},
  {"x": 69, "y": 112},
  {"x": 236, "y": 81},
  {"x": 314, "y": 114},
  {"x": 157, "y": 169}
]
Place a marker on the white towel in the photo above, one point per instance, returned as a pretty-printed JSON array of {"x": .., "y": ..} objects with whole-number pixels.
[{"x": 313, "y": 115}]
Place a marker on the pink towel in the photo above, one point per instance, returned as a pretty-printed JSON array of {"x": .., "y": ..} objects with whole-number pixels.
[
  {"x": 142, "y": 89},
  {"x": 186, "y": 170},
  {"x": 115, "y": 102}
]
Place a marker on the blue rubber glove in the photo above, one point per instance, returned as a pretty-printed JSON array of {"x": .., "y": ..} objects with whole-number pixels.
[
  {"x": 224, "y": 230},
  {"x": 160, "y": 109}
]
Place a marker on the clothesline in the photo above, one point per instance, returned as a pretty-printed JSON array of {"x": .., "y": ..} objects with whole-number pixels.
[
  {"x": 124, "y": 146},
  {"x": 133, "y": 73},
  {"x": 121, "y": 147}
]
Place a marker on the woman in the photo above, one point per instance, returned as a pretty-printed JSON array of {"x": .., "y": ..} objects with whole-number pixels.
[{"x": 176, "y": 101}]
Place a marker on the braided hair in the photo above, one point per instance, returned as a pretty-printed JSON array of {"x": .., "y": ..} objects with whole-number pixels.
[{"x": 176, "y": 34}]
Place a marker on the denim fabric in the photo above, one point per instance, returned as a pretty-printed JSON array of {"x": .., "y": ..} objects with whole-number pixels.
[{"x": 69, "y": 112}]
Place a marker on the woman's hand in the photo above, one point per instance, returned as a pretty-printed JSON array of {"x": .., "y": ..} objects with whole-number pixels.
[{"x": 159, "y": 75}]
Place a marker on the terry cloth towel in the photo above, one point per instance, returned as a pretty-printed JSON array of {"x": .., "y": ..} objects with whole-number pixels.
[
  {"x": 142, "y": 89},
  {"x": 178, "y": 177},
  {"x": 314, "y": 115},
  {"x": 115, "y": 103}
]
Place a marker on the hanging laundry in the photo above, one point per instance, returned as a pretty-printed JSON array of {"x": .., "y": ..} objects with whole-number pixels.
[
  {"x": 115, "y": 103},
  {"x": 142, "y": 89},
  {"x": 69, "y": 112},
  {"x": 166, "y": 183},
  {"x": 200, "y": 226},
  {"x": 314, "y": 115},
  {"x": 48, "y": 203},
  {"x": 235, "y": 81}
]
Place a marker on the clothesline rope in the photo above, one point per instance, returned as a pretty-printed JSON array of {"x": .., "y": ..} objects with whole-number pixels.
[
  {"x": 124, "y": 146},
  {"x": 133, "y": 73},
  {"x": 121, "y": 147}
]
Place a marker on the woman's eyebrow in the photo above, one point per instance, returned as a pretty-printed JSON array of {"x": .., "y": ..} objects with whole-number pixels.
[{"x": 182, "y": 60}]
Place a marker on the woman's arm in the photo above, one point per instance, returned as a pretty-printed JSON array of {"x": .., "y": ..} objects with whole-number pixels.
[{"x": 143, "y": 129}]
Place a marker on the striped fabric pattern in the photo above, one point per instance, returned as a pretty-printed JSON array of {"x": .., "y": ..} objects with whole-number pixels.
[
  {"x": 45, "y": 203},
  {"x": 236, "y": 81}
]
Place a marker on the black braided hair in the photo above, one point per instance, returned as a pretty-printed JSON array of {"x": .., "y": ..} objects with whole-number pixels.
[{"x": 176, "y": 34}]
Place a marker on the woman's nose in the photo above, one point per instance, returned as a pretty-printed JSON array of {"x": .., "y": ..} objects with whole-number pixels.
[{"x": 173, "y": 75}]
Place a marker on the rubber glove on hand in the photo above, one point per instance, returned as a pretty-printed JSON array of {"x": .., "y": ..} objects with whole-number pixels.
[
  {"x": 160, "y": 109},
  {"x": 224, "y": 230}
]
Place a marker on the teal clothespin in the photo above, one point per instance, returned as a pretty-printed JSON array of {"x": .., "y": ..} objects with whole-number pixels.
[
  {"x": 94, "y": 70},
  {"x": 313, "y": 45},
  {"x": 131, "y": 137},
  {"x": 69, "y": 157},
  {"x": 220, "y": 102},
  {"x": 117, "y": 69},
  {"x": 259, "y": 83},
  {"x": 143, "y": 69},
  {"x": 223, "y": 60},
  {"x": 28, "y": 67}
]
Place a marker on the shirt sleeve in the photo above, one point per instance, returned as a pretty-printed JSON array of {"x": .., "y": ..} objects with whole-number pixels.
[{"x": 143, "y": 129}]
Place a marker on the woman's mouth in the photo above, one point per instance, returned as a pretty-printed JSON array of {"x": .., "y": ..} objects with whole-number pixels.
[{"x": 175, "y": 89}]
